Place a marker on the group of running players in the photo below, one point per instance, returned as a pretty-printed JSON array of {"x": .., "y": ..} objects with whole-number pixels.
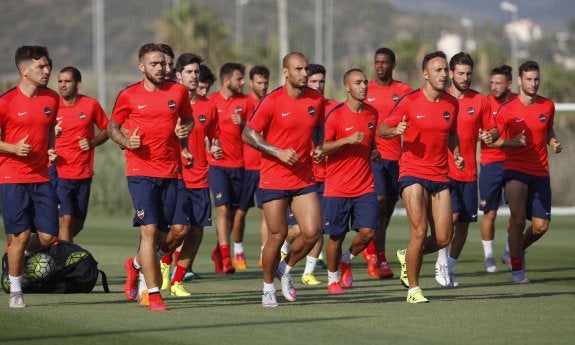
[{"x": 317, "y": 166}]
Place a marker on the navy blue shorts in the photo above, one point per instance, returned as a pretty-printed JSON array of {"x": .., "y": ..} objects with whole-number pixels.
[
  {"x": 53, "y": 175},
  {"x": 275, "y": 194},
  {"x": 430, "y": 186},
  {"x": 29, "y": 206},
  {"x": 193, "y": 206},
  {"x": 226, "y": 185},
  {"x": 464, "y": 200},
  {"x": 538, "y": 202},
  {"x": 386, "y": 176},
  {"x": 319, "y": 190},
  {"x": 250, "y": 189},
  {"x": 341, "y": 214},
  {"x": 490, "y": 186},
  {"x": 154, "y": 200},
  {"x": 73, "y": 196}
]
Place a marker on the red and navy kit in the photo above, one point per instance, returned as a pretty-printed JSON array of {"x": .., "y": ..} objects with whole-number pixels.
[
  {"x": 31, "y": 118},
  {"x": 286, "y": 123},
  {"x": 252, "y": 157},
  {"x": 383, "y": 99},
  {"x": 474, "y": 114},
  {"x": 77, "y": 121},
  {"x": 231, "y": 138},
  {"x": 154, "y": 114},
  {"x": 319, "y": 168},
  {"x": 206, "y": 125},
  {"x": 426, "y": 138},
  {"x": 348, "y": 172},
  {"x": 536, "y": 120},
  {"x": 488, "y": 154}
]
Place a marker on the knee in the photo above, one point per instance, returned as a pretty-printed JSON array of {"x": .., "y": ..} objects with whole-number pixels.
[
  {"x": 517, "y": 223},
  {"x": 541, "y": 229},
  {"x": 179, "y": 233},
  {"x": 366, "y": 236},
  {"x": 442, "y": 243}
]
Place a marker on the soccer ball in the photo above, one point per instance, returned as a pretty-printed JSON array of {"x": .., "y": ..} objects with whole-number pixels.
[
  {"x": 75, "y": 257},
  {"x": 38, "y": 266}
]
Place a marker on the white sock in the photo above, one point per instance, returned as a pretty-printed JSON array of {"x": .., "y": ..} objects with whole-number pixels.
[
  {"x": 507, "y": 246},
  {"x": 261, "y": 252},
  {"x": 451, "y": 263},
  {"x": 136, "y": 264},
  {"x": 15, "y": 283},
  {"x": 269, "y": 287},
  {"x": 141, "y": 283},
  {"x": 487, "y": 248},
  {"x": 346, "y": 257},
  {"x": 154, "y": 290},
  {"x": 442, "y": 256},
  {"x": 285, "y": 248},
  {"x": 333, "y": 277},
  {"x": 238, "y": 247},
  {"x": 309, "y": 265},
  {"x": 412, "y": 289}
]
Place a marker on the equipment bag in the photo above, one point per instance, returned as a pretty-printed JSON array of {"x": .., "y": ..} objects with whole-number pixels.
[{"x": 63, "y": 267}]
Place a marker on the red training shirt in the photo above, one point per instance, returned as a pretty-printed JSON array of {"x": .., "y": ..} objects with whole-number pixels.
[
  {"x": 252, "y": 157},
  {"x": 319, "y": 168},
  {"x": 488, "y": 154}
]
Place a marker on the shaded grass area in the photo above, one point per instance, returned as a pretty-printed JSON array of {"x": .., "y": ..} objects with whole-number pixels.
[{"x": 484, "y": 309}]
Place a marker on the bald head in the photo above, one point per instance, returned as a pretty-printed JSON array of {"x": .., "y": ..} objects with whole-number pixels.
[{"x": 289, "y": 58}]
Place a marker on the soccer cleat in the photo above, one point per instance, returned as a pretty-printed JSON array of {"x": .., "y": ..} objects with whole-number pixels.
[
  {"x": 453, "y": 279},
  {"x": 131, "y": 284},
  {"x": 403, "y": 275},
  {"x": 365, "y": 255},
  {"x": 372, "y": 269},
  {"x": 288, "y": 290},
  {"x": 191, "y": 275},
  {"x": 518, "y": 277},
  {"x": 384, "y": 271},
  {"x": 335, "y": 289},
  {"x": 240, "y": 262},
  {"x": 506, "y": 260},
  {"x": 490, "y": 266},
  {"x": 269, "y": 299},
  {"x": 144, "y": 298},
  {"x": 177, "y": 289},
  {"x": 346, "y": 275},
  {"x": 309, "y": 279},
  {"x": 227, "y": 266},
  {"x": 217, "y": 259},
  {"x": 157, "y": 303},
  {"x": 165, "y": 272},
  {"x": 416, "y": 296},
  {"x": 16, "y": 300},
  {"x": 442, "y": 275}
]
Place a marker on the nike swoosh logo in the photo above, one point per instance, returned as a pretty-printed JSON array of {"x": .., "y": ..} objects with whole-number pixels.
[
  {"x": 519, "y": 120},
  {"x": 371, "y": 99},
  {"x": 420, "y": 116},
  {"x": 286, "y": 114},
  {"x": 24, "y": 113},
  {"x": 348, "y": 128},
  {"x": 142, "y": 106},
  {"x": 59, "y": 118}
]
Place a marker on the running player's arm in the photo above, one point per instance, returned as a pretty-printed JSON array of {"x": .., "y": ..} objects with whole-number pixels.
[
  {"x": 553, "y": 141},
  {"x": 52, "y": 155},
  {"x": 19, "y": 149},
  {"x": 257, "y": 141},
  {"x": 453, "y": 144}
]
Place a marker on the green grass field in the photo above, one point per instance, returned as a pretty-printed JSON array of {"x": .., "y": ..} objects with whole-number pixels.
[{"x": 484, "y": 309}]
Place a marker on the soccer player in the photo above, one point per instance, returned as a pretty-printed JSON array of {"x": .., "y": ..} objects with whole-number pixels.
[
  {"x": 27, "y": 120},
  {"x": 526, "y": 124},
  {"x": 170, "y": 56},
  {"x": 77, "y": 116},
  {"x": 474, "y": 121},
  {"x": 142, "y": 123},
  {"x": 259, "y": 83},
  {"x": 206, "y": 80},
  {"x": 491, "y": 163},
  {"x": 227, "y": 173},
  {"x": 193, "y": 206},
  {"x": 427, "y": 119},
  {"x": 383, "y": 93},
  {"x": 288, "y": 117},
  {"x": 349, "y": 197}
]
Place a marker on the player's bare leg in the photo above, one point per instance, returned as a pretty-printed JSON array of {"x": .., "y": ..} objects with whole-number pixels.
[
  {"x": 416, "y": 201},
  {"x": 238, "y": 230},
  {"x": 274, "y": 213},
  {"x": 40, "y": 240},
  {"x": 517, "y": 194},
  {"x": 307, "y": 210},
  {"x": 224, "y": 221},
  {"x": 66, "y": 233},
  {"x": 487, "y": 228},
  {"x": 386, "y": 209}
]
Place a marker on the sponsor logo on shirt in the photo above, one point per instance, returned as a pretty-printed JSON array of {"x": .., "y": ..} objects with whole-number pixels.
[
  {"x": 47, "y": 111},
  {"x": 470, "y": 111},
  {"x": 202, "y": 119},
  {"x": 394, "y": 98},
  {"x": 420, "y": 116},
  {"x": 238, "y": 110},
  {"x": 370, "y": 99},
  {"x": 371, "y": 126},
  {"x": 446, "y": 116},
  {"x": 142, "y": 106},
  {"x": 286, "y": 114},
  {"x": 311, "y": 111},
  {"x": 542, "y": 117},
  {"x": 22, "y": 113},
  {"x": 348, "y": 128},
  {"x": 82, "y": 116},
  {"x": 519, "y": 120},
  {"x": 172, "y": 104}
]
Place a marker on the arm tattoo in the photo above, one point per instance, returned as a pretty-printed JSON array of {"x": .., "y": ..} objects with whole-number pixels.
[{"x": 257, "y": 141}]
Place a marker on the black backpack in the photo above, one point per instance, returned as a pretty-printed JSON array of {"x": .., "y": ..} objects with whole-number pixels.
[{"x": 62, "y": 268}]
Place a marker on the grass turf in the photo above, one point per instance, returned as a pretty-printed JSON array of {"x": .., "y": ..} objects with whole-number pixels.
[{"x": 484, "y": 309}]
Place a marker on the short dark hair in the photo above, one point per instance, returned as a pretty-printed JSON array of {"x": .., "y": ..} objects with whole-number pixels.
[
  {"x": 259, "y": 70},
  {"x": 432, "y": 56},
  {"x": 31, "y": 53},
  {"x": 149, "y": 47},
  {"x": 206, "y": 75},
  {"x": 348, "y": 73},
  {"x": 528, "y": 66},
  {"x": 76, "y": 75},
  {"x": 167, "y": 49},
  {"x": 460, "y": 58},
  {"x": 228, "y": 69},
  {"x": 314, "y": 68},
  {"x": 503, "y": 70},
  {"x": 386, "y": 51},
  {"x": 187, "y": 59}
]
